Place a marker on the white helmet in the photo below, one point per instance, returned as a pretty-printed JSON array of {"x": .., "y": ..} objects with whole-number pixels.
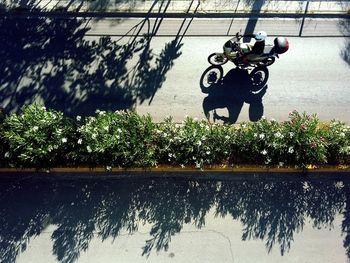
[{"x": 260, "y": 36}]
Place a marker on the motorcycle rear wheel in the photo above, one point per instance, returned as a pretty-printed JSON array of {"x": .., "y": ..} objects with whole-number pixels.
[
  {"x": 217, "y": 59},
  {"x": 259, "y": 77}
]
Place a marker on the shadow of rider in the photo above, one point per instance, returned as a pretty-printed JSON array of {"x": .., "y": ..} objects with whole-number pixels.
[{"x": 231, "y": 92}]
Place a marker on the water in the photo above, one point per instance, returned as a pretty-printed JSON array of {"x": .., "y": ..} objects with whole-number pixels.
[{"x": 281, "y": 219}]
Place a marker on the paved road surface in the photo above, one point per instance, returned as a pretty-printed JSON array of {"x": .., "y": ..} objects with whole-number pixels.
[
  {"x": 45, "y": 63},
  {"x": 244, "y": 218}
]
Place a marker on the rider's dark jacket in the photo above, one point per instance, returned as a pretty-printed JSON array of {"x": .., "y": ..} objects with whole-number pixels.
[{"x": 258, "y": 47}]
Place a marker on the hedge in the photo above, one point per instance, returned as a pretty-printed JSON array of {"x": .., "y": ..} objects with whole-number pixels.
[{"x": 44, "y": 138}]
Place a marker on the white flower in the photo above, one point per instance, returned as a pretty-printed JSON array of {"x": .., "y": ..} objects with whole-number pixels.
[
  {"x": 244, "y": 126},
  {"x": 109, "y": 168},
  {"x": 199, "y": 143},
  {"x": 273, "y": 120},
  {"x": 291, "y": 134},
  {"x": 7, "y": 155},
  {"x": 339, "y": 185},
  {"x": 182, "y": 166},
  {"x": 106, "y": 128},
  {"x": 342, "y": 134},
  {"x": 80, "y": 141},
  {"x": 165, "y": 134},
  {"x": 119, "y": 130},
  {"x": 78, "y": 118},
  {"x": 261, "y": 136},
  {"x": 203, "y": 138},
  {"x": 35, "y": 128},
  {"x": 43, "y": 108},
  {"x": 94, "y": 135},
  {"x": 88, "y": 148},
  {"x": 290, "y": 150},
  {"x": 207, "y": 152},
  {"x": 227, "y": 137},
  {"x": 278, "y": 135},
  {"x": 64, "y": 140},
  {"x": 264, "y": 152},
  {"x": 97, "y": 111},
  {"x": 101, "y": 112},
  {"x": 281, "y": 164},
  {"x": 255, "y": 135},
  {"x": 268, "y": 160},
  {"x": 194, "y": 158},
  {"x": 263, "y": 117},
  {"x": 170, "y": 155},
  {"x": 306, "y": 186}
]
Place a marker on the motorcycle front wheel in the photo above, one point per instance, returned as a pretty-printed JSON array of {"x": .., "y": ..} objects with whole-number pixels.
[
  {"x": 210, "y": 78},
  {"x": 217, "y": 59},
  {"x": 259, "y": 77}
]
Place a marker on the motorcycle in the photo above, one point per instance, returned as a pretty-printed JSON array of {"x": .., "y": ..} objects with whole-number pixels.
[{"x": 242, "y": 56}]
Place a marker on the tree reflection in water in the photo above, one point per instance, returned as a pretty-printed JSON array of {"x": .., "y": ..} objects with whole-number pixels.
[{"x": 270, "y": 210}]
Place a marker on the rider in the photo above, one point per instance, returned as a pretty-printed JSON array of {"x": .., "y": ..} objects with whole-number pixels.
[
  {"x": 257, "y": 49},
  {"x": 259, "y": 44}
]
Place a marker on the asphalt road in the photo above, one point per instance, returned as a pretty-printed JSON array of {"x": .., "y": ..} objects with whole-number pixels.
[
  {"x": 66, "y": 67},
  {"x": 245, "y": 218},
  {"x": 311, "y": 77}
]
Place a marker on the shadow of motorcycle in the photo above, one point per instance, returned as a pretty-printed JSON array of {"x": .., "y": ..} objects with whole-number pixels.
[{"x": 258, "y": 73}]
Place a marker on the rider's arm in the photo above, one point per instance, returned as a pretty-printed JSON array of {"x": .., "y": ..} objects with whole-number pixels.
[{"x": 249, "y": 35}]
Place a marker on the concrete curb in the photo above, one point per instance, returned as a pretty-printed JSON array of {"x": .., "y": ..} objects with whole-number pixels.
[
  {"x": 163, "y": 169},
  {"x": 173, "y": 173},
  {"x": 190, "y": 6},
  {"x": 168, "y": 15}
]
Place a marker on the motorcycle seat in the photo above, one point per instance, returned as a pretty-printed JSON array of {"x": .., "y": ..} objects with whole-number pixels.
[{"x": 268, "y": 49}]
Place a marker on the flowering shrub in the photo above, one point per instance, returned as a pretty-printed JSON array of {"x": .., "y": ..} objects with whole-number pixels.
[
  {"x": 193, "y": 142},
  {"x": 36, "y": 138},
  {"x": 304, "y": 141},
  {"x": 116, "y": 139},
  {"x": 259, "y": 142},
  {"x": 337, "y": 138},
  {"x": 44, "y": 138}
]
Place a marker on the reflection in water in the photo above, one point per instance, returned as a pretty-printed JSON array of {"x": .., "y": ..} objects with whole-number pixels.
[{"x": 269, "y": 210}]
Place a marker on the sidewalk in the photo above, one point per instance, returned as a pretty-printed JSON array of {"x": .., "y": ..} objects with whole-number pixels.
[{"x": 187, "y": 6}]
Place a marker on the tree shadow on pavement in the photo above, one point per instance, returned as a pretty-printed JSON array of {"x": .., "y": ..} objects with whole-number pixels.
[
  {"x": 230, "y": 92},
  {"x": 81, "y": 211},
  {"x": 72, "y": 5},
  {"x": 50, "y": 60},
  {"x": 345, "y": 28}
]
